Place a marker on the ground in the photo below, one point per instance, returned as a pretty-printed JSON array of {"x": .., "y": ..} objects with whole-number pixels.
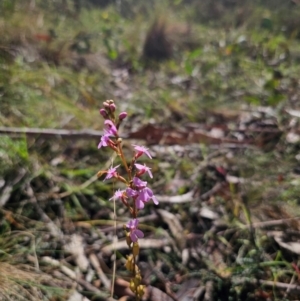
[{"x": 211, "y": 88}]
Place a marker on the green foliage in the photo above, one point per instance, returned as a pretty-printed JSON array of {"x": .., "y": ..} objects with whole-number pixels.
[
  {"x": 13, "y": 153},
  {"x": 7, "y": 6}
]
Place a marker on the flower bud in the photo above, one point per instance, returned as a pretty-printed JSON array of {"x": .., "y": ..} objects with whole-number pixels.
[
  {"x": 129, "y": 265},
  {"x": 101, "y": 173},
  {"x": 112, "y": 107},
  {"x": 122, "y": 115},
  {"x": 132, "y": 286},
  {"x": 103, "y": 113},
  {"x": 106, "y": 105},
  {"x": 135, "y": 249},
  {"x": 140, "y": 291},
  {"x": 137, "y": 277},
  {"x": 128, "y": 239}
]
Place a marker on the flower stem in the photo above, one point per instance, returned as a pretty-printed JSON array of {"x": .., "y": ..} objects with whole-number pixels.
[{"x": 121, "y": 154}]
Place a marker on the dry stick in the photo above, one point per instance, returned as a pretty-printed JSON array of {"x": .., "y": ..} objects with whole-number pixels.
[
  {"x": 209, "y": 287},
  {"x": 95, "y": 263},
  {"x": 291, "y": 283},
  {"x": 272, "y": 223},
  {"x": 8, "y": 188},
  {"x": 280, "y": 285},
  {"x": 189, "y": 196},
  {"x": 120, "y": 223},
  {"x": 259, "y": 225},
  {"x": 91, "y": 134},
  {"x": 268, "y": 283},
  {"x": 71, "y": 274},
  {"x": 35, "y": 132},
  {"x": 144, "y": 244}
]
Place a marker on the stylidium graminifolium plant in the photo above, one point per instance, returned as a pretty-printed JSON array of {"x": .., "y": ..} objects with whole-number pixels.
[{"x": 135, "y": 195}]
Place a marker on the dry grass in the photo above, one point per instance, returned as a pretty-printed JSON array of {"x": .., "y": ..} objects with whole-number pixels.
[
  {"x": 20, "y": 275},
  {"x": 19, "y": 282}
]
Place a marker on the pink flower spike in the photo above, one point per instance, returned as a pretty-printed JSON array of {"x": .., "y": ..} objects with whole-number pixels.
[
  {"x": 110, "y": 127},
  {"x": 111, "y": 173},
  {"x": 143, "y": 169},
  {"x": 118, "y": 195},
  {"x": 135, "y": 233},
  {"x": 141, "y": 150}
]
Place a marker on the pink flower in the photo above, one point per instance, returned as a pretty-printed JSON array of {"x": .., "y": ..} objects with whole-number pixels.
[
  {"x": 118, "y": 195},
  {"x": 131, "y": 192},
  {"x": 141, "y": 150},
  {"x": 135, "y": 233},
  {"x": 142, "y": 169},
  {"x": 111, "y": 173},
  {"x": 110, "y": 127},
  {"x": 145, "y": 195},
  {"x": 138, "y": 183},
  {"x": 104, "y": 140}
]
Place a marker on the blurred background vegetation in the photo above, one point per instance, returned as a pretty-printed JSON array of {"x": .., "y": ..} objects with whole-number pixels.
[{"x": 170, "y": 63}]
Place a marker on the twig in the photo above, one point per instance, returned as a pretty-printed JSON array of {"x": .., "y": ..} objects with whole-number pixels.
[
  {"x": 95, "y": 263},
  {"x": 144, "y": 244},
  {"x": 189, "y": 196},
  {"x": 36, "y": 132},
  {"x": 71, "y": 274},
  {"x": 280, "y": 285},
  {"x": 176, "y": 199},
  {"x": 212, "y": 191},
  {"x": 7, "y": 190},
  {"x": 291, "y": 283},
  {"x": 272, "y": 223},
  {"x": 120, "y": 223},
  {"x": 268, "y": 283},
  {"x": 209, "y": 288}
]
